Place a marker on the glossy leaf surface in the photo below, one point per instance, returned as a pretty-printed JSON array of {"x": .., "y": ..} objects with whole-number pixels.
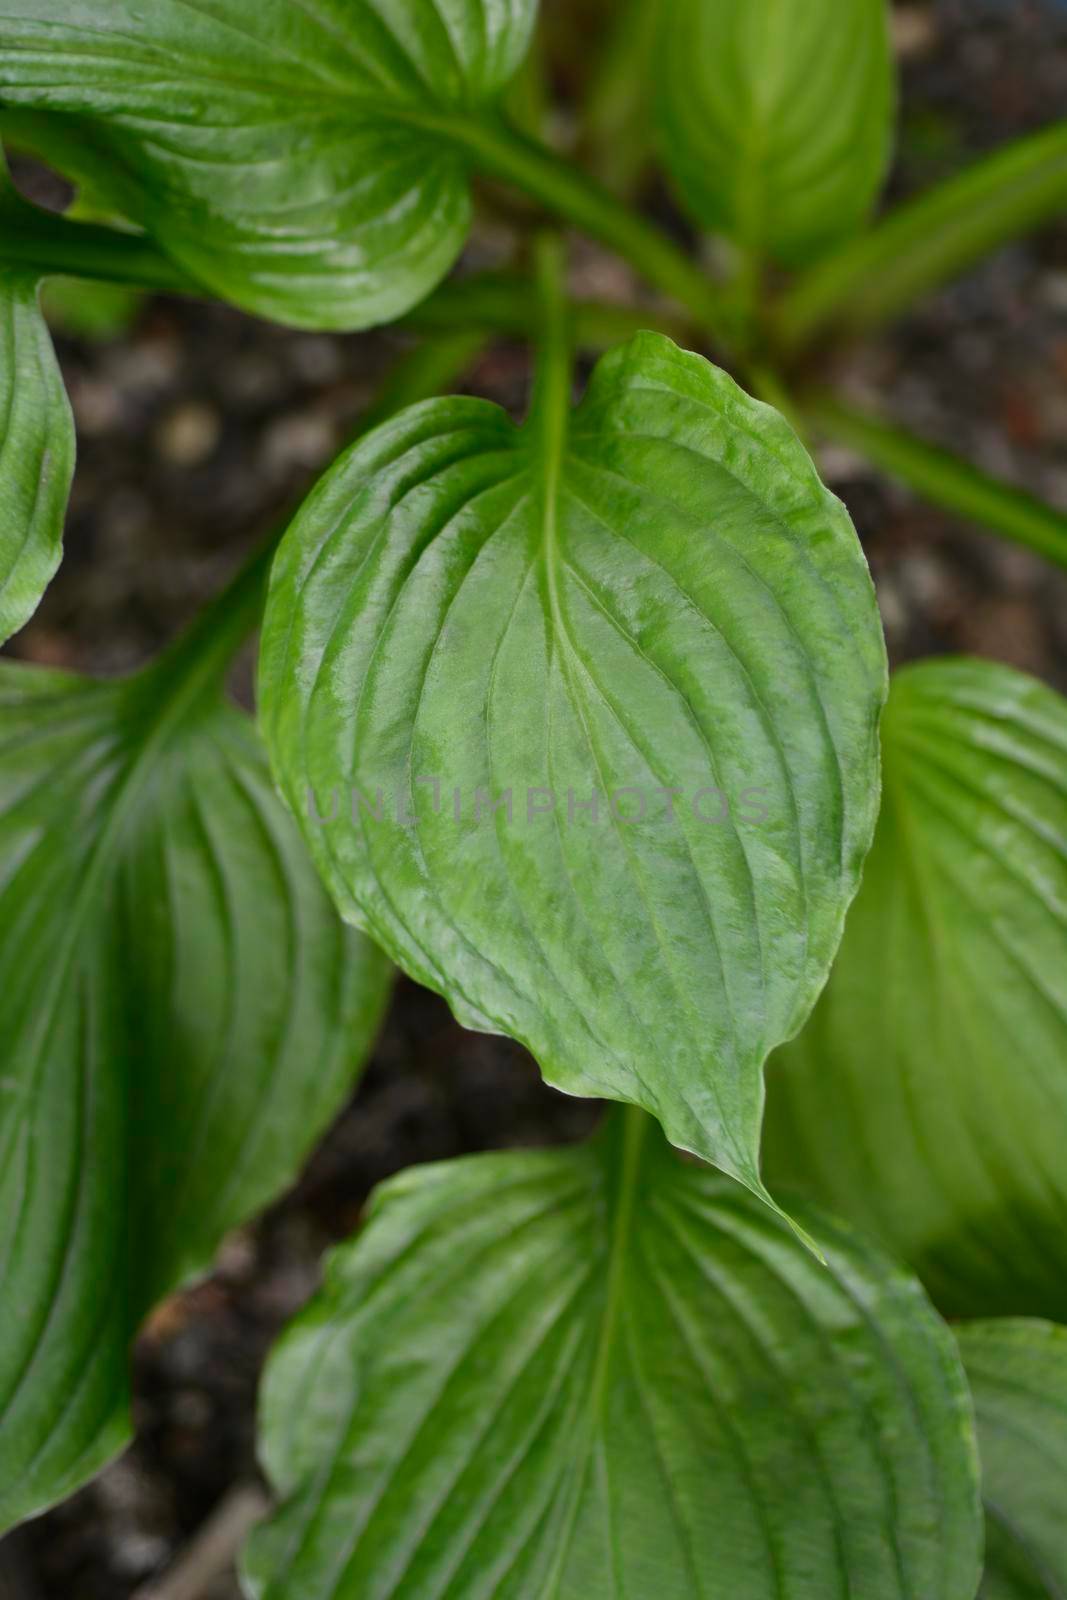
[
  {"x": 181, "y": 1013},
  {"x": 927, "y": 1097},
  {"x": 1018, "y": 1375},
  {"x": 597, "y": 1373},
  {"x": 776, "y": 117},
  {"x": 36, "y": 451},
  {"x": 294, "y": 158},
  {"x": 657, "y": 602}
]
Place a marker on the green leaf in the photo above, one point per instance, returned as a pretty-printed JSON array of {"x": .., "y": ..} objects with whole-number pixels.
[
  {"x": 294, "y": 159},
  {"x": 97, "y": 311},
  {"x": 944, "y": 479},
  {"x": 931, "y": 240},
  {"x": 36, "y": 452},
  {"x": 182, "y": 1013},
  {"x": 616, "y": 126},
  {"x": 926, "y": 1099},
  {"x": 661, "y": 596},
  {"x": 1018, "y": 1376},
  {"x": 598, "y": 1373},
  {"x": 776, "y": 117}
]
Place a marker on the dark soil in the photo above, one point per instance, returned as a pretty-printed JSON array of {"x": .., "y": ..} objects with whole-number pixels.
[{"x": 198, "y": 428}]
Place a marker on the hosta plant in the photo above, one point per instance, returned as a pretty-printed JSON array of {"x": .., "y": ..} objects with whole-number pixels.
[{"x": 577, "y": 718}]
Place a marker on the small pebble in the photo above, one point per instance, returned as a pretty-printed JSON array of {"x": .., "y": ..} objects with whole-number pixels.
[
  {"x": 304, "y": 439},
  {"x": 188, "y": 433},
  {"x": 1053, "y": 289},
  {"x": 136, "y": 1554},
  {"x": 316, "y": 359},
  {"x": 97, "y": 405},
  {"x": 914, "y": 31},
  {"x": 839, "y": 464},
  {"x": 144, "y": 368}
]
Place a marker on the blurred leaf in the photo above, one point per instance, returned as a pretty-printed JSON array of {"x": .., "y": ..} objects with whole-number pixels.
[
  {"x": 1018, "y": 1376},
  {"x": 617, "y": 110},
  {"x": 926, "y": 1099},
  {"x": 928, "y": 241},
  {"x": 776, "y": 117},
  {"x": 182, "y": 1013},
  {"x": 90, "y": 310}
]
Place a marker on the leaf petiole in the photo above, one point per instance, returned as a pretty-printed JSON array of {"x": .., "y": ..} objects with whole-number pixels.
[
  {"x": 48, "y": 244},
  {"x": 501, "y": 151}
]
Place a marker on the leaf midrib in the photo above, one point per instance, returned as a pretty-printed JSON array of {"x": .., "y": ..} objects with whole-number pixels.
[
  {"x": 428, "y": 115},
  {"x": 620, "y": 1201},
  {"x": 121, "y": 803}
]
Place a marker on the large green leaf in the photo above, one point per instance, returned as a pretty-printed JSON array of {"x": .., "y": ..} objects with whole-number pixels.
[
  {"x": 776, "y": 116},
  {"x": 927, "y": 1097},
  {"x": 36, "y": 440},
  {"x": 1018, "y": 1376},
  {"x": 181, "y": 1012},
  {"x": 294, "y": 158},
  {"x": 600, "y": 1373},
  {"x": 658, "y": 595}
]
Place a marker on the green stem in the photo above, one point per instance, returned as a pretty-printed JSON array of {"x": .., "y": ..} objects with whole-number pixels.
[
  {"x": 551, "y": 403},
  {"x": 927, "y": 241},
  {"x": 944, "y": 479},
  {"x": 198, "y": 659},
  {"x": 549, "y": 419},
  {"x": 50, "y": 245},
  {"x": 623, "y": 1137},
  {"x": 616, "y": 116},
  {"x": 501, "y": 302},
  {"x": 746, "y": 287},
  {"x": 430, "y": 369},
  {"x": 570, "y": 194}
]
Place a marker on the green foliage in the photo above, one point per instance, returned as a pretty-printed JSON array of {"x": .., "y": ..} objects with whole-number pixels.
[
  {"x": 931, "y": 240},
  {"x": 598, "y": 1372},
  {"x": 927, "y": 1099},
  {"x": 664, "y": 571},
  {"x": 945, "y": 480},
  {"x": 90, "y": 310},
  {"x": 294, "y": 159},
  {"x": 1018, "y": 1376},
  {"x": 776, "y": 117},
  {"x": 182, "y": 1013},
  {"x": 36, "y": 453}
]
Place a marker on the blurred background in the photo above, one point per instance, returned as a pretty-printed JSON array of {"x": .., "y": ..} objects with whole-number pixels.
[{"x": 199, "y": 427}]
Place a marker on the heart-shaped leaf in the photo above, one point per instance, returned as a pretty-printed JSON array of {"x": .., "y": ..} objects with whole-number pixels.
[
  {"x": 776, "y": 116},
  {"x": 36, "y": 450},
  {"x": 659, "y": 605},
  {"x": 600, "y": 1373},
  {"x": 181, "y": 1013},
  {"x": 927, "y": 1097},
  {"x": 294, "y": 158},
  {"x": 1018, "y": 1376}
]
